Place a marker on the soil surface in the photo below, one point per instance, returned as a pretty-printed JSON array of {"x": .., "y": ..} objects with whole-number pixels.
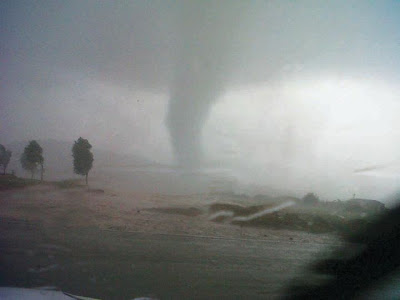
[{"x": 120, "y": 246}]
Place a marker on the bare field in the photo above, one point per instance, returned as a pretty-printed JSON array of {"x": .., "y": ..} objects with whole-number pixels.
[
  {"x": 105, "y": 245},
  {"x": 76, "y": 207}
]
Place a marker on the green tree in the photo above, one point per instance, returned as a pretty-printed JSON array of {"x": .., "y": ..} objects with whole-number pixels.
[
  {"x": 32, "y": 158},
  {"x": 27, "y": 165},
  {"x": 5, "y": 156},
  {"x": 310, "y": 199},
  {"x": 83, "y": 158}
]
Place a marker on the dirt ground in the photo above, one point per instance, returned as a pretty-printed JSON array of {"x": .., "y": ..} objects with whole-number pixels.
[
  {"x": 111, "y": 245},
  {"x": 182, "y": 215}
]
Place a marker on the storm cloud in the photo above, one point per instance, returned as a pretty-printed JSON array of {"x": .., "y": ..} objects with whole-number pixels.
[{"x": 266, "y": 83}]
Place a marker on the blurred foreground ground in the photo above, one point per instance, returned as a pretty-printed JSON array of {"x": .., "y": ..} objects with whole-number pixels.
[{"x": 119, "y": 246}]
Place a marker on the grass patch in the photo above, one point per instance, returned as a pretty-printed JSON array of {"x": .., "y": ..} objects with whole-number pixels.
[
  {"x": 12, "y": 182},
  {"x": 96, "y": 191},
  {"x": 309, "y": 222},
  {"x": 238, "y": 210},
  {"x": 276, "y": 221},
  {"x": 69, "y": 184},
  {"x": 185, "y": 211},
  {"x": 317, "y": 219}
]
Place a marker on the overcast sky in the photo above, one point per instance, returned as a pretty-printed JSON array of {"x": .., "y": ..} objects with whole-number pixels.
[{"x": 300, "y": 93}]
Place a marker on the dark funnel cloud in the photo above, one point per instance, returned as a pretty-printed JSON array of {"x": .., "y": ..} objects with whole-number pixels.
[{"x": 207, "y": 30}]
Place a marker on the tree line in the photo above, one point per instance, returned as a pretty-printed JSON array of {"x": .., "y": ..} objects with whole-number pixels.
[{"x": 32, "y": 158}]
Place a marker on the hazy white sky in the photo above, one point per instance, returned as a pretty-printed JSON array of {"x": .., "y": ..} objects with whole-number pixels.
[{"x": 304, "y": 90}]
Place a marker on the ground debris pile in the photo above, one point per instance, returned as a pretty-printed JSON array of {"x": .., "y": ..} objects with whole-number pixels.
[{"x": 341, "y": 217}]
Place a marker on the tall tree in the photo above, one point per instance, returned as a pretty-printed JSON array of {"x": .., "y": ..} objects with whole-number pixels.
[
  {"x": 27, "y": 165},
  {"x": 83, "y": 157},
  {"x": 5, "y": 156},
  {"x": 32, "y": 158}
]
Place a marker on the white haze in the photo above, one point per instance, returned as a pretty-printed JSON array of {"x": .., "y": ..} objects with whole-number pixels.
[{"x": 279, "y": 97}]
